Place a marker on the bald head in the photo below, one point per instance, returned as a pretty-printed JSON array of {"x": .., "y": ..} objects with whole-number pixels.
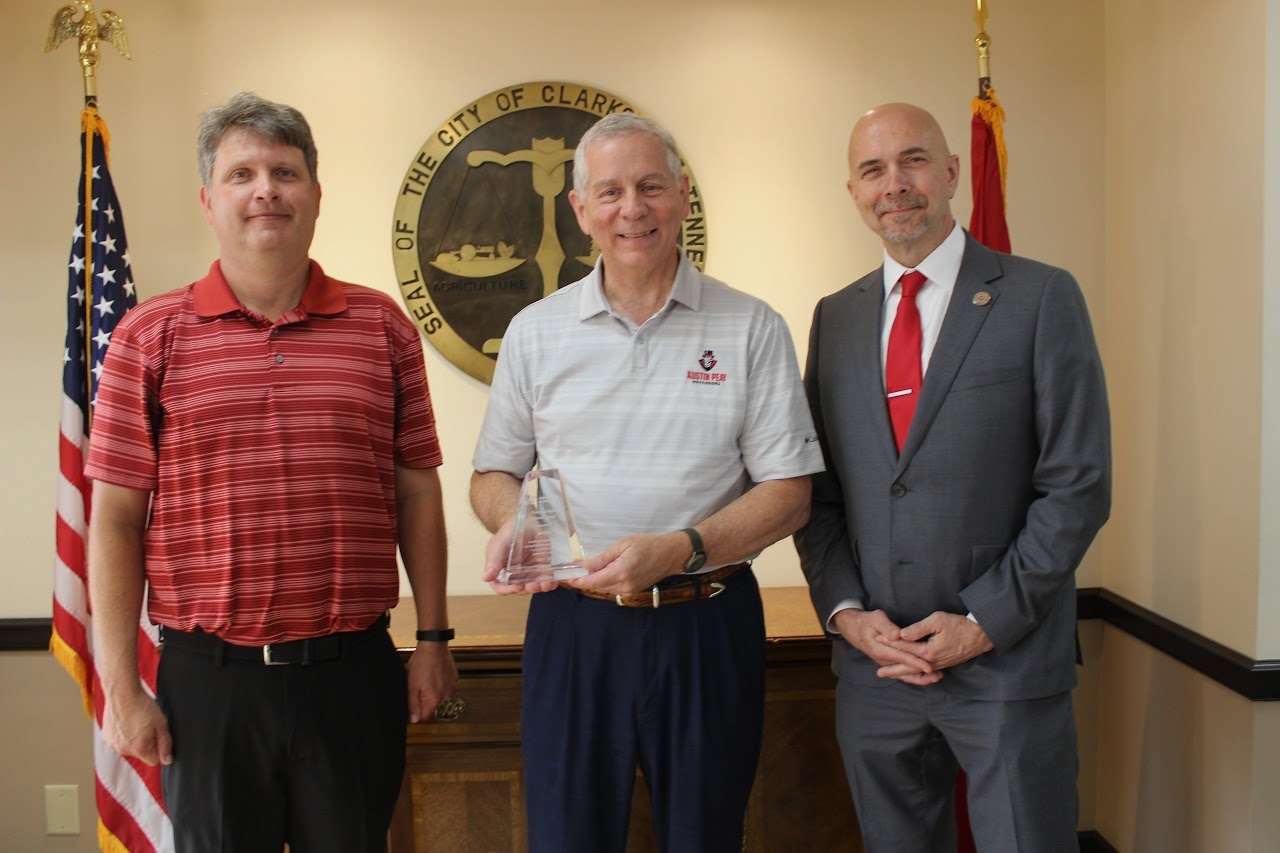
[
  {"x": 898, "y": 115},
  {"x": 902, "y": 178}
]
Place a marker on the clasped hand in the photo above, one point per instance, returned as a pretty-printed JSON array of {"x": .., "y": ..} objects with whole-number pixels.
[{"x": 918, "y": 653}]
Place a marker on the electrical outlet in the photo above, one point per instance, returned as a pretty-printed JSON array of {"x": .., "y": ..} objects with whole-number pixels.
[{"x": 62, "y": 809}]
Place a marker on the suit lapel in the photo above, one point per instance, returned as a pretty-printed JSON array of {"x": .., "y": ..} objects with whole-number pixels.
[
  {"x": 979, "y": 270},
  {"x": 866, "y": 319}
]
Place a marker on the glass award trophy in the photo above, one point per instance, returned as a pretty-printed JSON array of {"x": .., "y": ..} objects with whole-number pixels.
[{"x": 545, "y": 545}]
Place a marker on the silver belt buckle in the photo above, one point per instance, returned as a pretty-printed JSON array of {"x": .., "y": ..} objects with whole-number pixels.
[{"x": 266, "y": 658}]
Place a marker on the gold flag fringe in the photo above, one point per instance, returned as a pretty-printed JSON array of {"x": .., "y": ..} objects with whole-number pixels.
[
  {"x": 91, "y": 122},
  {"x": 992, "y": 113},
  {"x": 107, "y": 841},
  {"x": 75, "y": 667}
]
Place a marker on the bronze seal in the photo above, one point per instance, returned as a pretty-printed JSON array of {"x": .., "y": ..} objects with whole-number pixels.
[{"x": 483, "y": 225}]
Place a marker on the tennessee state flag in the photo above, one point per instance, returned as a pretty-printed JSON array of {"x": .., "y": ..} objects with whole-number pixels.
[{"x": 989, "y": 160}]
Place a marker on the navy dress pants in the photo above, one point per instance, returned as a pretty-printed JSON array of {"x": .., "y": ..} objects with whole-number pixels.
[{"x": 677, "y": 691}]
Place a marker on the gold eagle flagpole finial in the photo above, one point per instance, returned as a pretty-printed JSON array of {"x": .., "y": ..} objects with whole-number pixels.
[
  {"x": 983, "y": 43},
  {"x": 89, "y": 32}
]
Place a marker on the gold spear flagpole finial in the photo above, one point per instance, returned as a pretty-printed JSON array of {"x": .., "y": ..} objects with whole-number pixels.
[
  {"x": 88, "y": 32},
  {"x": 983, "y": 43}
]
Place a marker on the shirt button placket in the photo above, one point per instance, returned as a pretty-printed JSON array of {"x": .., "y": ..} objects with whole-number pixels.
[{"x": 640, "y": 352}]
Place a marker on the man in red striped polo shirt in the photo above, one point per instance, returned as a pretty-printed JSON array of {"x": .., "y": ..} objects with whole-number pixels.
[{"x": 263, "y": 439}]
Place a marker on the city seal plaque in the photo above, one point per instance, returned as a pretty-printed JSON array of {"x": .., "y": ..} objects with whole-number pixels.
[{"x": 483, "y": 225}]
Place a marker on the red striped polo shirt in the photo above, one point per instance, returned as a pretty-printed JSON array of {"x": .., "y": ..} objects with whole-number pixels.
[{"x": 270, "y": 450}]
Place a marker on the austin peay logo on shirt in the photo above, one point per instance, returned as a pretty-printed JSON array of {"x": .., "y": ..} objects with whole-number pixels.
[{"x": 705, "y": 376}]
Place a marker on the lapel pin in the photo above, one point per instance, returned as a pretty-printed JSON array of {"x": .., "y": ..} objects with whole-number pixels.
[{"x": 981, "y": 298}]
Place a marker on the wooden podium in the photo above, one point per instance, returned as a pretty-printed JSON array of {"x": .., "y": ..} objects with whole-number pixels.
[{"x": 463, "y": 787}]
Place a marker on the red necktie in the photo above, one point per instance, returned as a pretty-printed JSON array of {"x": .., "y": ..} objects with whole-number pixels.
[{"x": 902, "y": 374}]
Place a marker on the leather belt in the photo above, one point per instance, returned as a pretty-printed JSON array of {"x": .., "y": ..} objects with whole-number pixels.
[
  {"x": 673, "y": 590},
  {"x": 296, "y": 652}
]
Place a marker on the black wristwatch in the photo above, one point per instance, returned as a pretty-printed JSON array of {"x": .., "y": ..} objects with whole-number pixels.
[
  {"x": 438, "y": 635},
  {"x": 698, "y": 558}
]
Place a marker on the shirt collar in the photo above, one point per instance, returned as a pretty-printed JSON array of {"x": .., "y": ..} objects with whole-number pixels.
[
  {"x": 214, "y": 297},
  {"x": 323, "y": 295},
  {"x": 686, "y": 289},
  {"x": 942, "y": 266}
]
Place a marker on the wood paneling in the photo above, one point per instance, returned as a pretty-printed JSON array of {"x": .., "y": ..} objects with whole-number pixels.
[{"x": 463, "y": 791}]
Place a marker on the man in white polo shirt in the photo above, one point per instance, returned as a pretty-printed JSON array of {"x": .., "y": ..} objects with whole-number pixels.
[{"x": 672, "y": 406}]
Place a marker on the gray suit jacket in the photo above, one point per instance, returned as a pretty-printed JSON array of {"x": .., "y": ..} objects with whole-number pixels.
[{"x": 1004, "y": 480}]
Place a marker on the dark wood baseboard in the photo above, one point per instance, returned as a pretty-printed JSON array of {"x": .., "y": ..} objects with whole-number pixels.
[
  {"x": 1257, "y": 680},
  {"x": 1091, "y": 841},
  {"x": 25, "y": 635}
]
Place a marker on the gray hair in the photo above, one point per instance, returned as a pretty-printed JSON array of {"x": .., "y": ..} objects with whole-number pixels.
[
  {"x": 279, "y": 123},
  {"x": 622, "y": 124}
]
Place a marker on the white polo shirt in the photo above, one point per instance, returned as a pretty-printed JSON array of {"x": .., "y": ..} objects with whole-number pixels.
[{"x": 654, "y": 427}]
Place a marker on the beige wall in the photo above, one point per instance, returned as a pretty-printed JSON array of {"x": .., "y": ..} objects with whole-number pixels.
[
  {"x": 1088, "y": 704},
  {"x": 1184, "y": 300},
  {"x": 45, "y": 739},
  {"x": 760, "y": 95},
  {"x": 1182, "y": 764},
  {"x": 1175, "y": 756},
  {"x": 1269, "y": 548},
  {"x": 1191, "y": 130}
]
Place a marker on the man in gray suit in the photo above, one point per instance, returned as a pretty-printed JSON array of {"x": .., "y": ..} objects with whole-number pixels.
[{"x": 960, "y": 401}]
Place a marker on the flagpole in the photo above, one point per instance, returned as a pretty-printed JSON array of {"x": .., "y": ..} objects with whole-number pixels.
[
  {"x": 88, "y": 32},
  {"x": 982, "y": 42},
  {"x": 988, "y": 225},
  {"x": 89, "y": 124}
]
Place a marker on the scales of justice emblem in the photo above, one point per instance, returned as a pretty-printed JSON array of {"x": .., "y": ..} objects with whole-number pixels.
[{"x": 483, "y": 225}]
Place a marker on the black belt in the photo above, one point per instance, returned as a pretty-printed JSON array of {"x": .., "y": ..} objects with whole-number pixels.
[{"x": 310, "y": 650}]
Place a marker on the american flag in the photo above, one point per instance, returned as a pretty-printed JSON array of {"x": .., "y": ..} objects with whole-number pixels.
[{"x": 131, "y": 813}]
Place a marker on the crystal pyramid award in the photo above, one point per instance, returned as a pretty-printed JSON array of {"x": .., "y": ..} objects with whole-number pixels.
[{"x": 545, "y": 545}]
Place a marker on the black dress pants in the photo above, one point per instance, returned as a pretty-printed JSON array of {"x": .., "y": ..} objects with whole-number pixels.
[{"x": 306, "y": 754}]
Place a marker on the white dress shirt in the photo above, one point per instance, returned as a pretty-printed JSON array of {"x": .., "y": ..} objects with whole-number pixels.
[{"x": 940, "y": 270}]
